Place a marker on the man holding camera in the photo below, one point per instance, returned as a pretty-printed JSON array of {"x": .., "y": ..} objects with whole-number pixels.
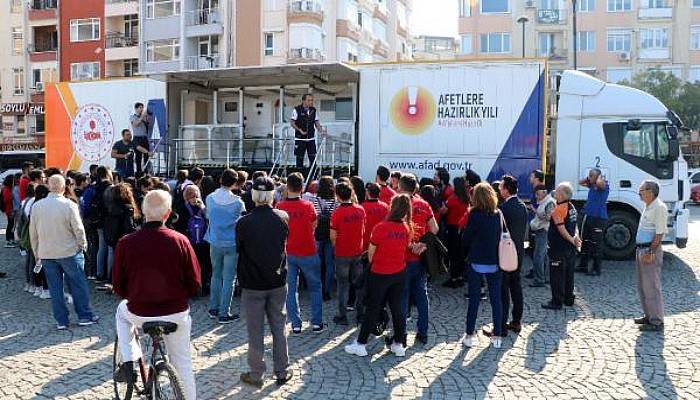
[
  {"x": 123, "y": 151},
  {"x": 140, "y": 121}
]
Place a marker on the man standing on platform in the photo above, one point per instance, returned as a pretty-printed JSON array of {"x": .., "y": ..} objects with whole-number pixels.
[{"x": 305, "y": 122}]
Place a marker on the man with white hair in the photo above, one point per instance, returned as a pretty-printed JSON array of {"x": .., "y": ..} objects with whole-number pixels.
[
  {"x": 58, "y": 241},
  {"x": 650, "y": 257},
  {"x": 156, "y": 273},
  {"x": 261, "y": 238},
  {"x": 563, "y": 242}
]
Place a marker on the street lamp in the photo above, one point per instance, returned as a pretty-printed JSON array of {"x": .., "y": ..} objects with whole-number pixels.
[
  {"x": 575, "y": 35},
  {"x": 522, "y": 20}
]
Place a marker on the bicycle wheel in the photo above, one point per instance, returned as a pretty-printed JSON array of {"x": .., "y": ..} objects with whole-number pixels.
[
  {"x": 123, "y": 385},
  {"x": 167, "y": 384}
]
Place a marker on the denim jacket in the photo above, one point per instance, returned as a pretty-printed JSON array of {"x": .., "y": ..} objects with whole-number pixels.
[{"x": 223, "y": 211}]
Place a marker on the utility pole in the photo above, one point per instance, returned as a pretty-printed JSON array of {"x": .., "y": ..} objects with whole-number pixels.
[
  {"x": 522, "y": 21},
  {"x": 575, "y": 37}
]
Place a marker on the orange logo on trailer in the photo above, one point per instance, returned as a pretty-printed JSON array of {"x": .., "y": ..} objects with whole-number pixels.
[
  {"x": 412, "y": 110},
  {"x": 92, "y": 132}
]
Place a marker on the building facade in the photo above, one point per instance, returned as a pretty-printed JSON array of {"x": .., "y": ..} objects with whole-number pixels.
[
  {"x": 203, "y": 34},
  {"x": 616, "y": 39},
  {"x": 432, "y": 48}
]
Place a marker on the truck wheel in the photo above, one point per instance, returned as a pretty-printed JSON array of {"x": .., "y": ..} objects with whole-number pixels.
[{"x": 619, "y": 237}]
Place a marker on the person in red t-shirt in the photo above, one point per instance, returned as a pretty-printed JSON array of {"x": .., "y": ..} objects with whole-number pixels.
[
  {"x": 375, "y": 210},
  {"x": 457, "y": 206},
  {"x": 24, "y": 180},
  {"x": 386, "y": 193},
  {"x": 387, "y": 253},
  {"x": 416, "y": 279},
  {"x": 301, "y": 254},
  {"x": 347, "y": 231}
]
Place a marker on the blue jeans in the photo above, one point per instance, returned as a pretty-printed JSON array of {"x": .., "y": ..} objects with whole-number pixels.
[
  {"x": 72, "y": 269},
  {"x": 310, "y": 267},
  {"x": 223, "y": 275},
  {"x": 494, "y": 283},
  {"x": 325, "y": 253},
  {"x": 110, "y": 261},
  {"x": 417, "y": 289},
  {"x": 540, "y": 261},
  {"x": 102, "y": 254}
]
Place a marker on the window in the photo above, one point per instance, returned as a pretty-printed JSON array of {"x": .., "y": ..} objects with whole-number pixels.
[
  {"x": 585, "y": 5},
  {"x": 619, "y": 41},
  {"x": 654, "y": 38},
  {"x": 465, "y": 8},
  {"x": 209, "y": 46},
  {"x": 695, "y": 38},
  {"x": 17, "y": 40},
  {"x": 343, "y": 108},
  {"x": 84, "y": 29},
  {"x": 379, "y": 30},
  {"x": 162, "y": 8},
  {"x": 585, "y": 41},
  {"x": 18, "y": 79},
  {"x": 467, "y": 44},
  {"x": 131, "y": 26},
  {"x": 163, "y": 50},
  {"x": 40, "y": 123},
  {"x": 131, "y": 67},
  {"x": 328, "y": 105},
  {"x": 546, "y": 41},
  {"x": 647, "y": 141},
  {"x": 695, "y": 4},
  {"x": 619, "y": 5},
  {"x": 498, "y": 42},
  {"x": 21, "y": 124},
  {"x": 269, "y": 44},
  {"x": 359, "y": 18},
  {"x": 85, "y": 71},
  {"x": 654, "y": 4},
  {"x": 494, "y": 6},
  {"x": 616, "y": 75},
  {"x": 16, "y": 6},
  {"x": 36, "y": 77}
]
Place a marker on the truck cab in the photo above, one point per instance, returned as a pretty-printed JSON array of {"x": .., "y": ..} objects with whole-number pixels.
[{"x": 630, "y": 136}]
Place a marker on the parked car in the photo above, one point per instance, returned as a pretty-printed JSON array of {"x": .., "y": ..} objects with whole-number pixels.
[{"x": 694, "y": 177}]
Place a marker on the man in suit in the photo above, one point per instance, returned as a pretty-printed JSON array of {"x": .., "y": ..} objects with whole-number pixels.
[{"x": 515, "y": 213}]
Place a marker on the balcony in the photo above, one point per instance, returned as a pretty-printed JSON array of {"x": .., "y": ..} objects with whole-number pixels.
[
  {"x": 42, "y": 52},
  {"x": 551, "y": 16},
  {"x": 401, "y": 31},
  {"x": 115, "y": 8},
  {"x": 204, "y": 62},
  {"x": 381, "y": 49},
  {"x": 556, "y": 55},
  {"x": 305, "y": 55},
  {"x": 305, "y": 11},
  {"x": 119, "y": 46},
  {"x": 656, "y": 13},
  {"x": 347, "y": 29},
  {"x": 203, "y": 22},
  {"x": 654, "y": 54},
  {"x": 381, "y": 13},
  {"x": 42, "y": 10}
]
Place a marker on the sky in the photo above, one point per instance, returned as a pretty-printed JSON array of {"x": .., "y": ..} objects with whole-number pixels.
[{"x": 434, "y": 17}]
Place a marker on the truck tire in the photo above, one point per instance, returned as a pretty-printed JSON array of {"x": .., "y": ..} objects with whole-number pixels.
[{"x": 619, "y": 237}]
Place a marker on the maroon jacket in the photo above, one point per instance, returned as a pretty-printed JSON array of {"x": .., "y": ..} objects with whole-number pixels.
[{"x": 156, "y": 270}]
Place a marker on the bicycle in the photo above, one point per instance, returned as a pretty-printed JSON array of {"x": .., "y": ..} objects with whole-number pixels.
[{"x": 158, "y": 379}]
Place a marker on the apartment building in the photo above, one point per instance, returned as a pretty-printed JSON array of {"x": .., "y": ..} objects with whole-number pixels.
[
  {"x": 431, "y": 48},
  {"x": 615, "y": 38},
  {"x": 121, "y": 40},
  {"x": 203, "y": 34}
]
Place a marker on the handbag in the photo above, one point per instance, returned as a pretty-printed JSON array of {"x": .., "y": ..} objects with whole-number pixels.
[{"x": 507, "y": 254}]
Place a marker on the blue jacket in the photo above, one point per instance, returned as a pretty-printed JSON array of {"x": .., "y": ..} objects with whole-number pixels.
[
  {"x": 223, "y": 211},
  {"x": 481, "y": 236}
]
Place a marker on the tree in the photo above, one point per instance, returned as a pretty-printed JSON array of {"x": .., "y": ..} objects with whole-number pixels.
[{"x": 681, "y": 97}]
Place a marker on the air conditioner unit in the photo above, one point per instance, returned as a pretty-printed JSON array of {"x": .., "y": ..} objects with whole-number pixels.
[
  {"x": 39, "y": 86},
  {"x": 624, "y": 56},
  {"x": 529, "y": 4}
]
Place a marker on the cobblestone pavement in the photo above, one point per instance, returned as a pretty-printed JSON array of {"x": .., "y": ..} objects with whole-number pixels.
[{"x": 591, "y": 351}]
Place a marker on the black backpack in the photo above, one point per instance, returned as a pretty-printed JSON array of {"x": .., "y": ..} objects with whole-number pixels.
[{"x": 323, "y": 226}]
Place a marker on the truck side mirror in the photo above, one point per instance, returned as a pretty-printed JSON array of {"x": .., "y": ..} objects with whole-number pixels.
[
  {"x": 672, "y": 131},
  {"x": 673, "y": 149}
]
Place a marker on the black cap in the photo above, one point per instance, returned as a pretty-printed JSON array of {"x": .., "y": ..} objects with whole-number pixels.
[{"x": 263, "y": 184}]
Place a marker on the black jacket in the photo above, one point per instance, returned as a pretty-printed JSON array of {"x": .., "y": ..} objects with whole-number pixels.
[
  {"x": 434, "y": 256},
  {"x": 261, "y": 239},
  {"x": 515, "y": 214},
  {"x": 481, "y": 236},
  {"x": 119, "y": 222}
]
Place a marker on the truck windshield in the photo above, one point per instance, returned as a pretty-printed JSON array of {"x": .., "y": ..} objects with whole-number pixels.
[{"x": 645, "y": 145}]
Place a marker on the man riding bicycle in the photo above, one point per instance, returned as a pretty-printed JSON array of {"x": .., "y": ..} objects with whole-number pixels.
[{"x": 156, "y": 273}]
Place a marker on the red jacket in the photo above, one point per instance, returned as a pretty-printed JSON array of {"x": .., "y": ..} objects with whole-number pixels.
[
  {"x": 156, "y": 270},
  {"x": 7, "y": 200}
]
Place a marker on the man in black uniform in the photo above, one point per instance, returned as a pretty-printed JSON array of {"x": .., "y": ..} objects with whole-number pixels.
[{"x": 304, "y": 120}]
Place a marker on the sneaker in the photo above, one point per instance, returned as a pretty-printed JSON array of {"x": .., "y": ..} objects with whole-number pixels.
[
  {"x": 37, "y": 291},
  {"x": 88, "y": 322},
  {"x": 489, "y": 332},
  {"x": 286, "y": 378},
  {"x": 296, "y": 330},
  {"x": 398, "y": 349},
  {"x": 213, "y": 314},
  {"x": 247, "y": 378},
  {"x": 641, "y": 320},
  {"x": 227, "y": 319},
  {"x": 514, "y": 326},
  {"x": 319, "y": 328},
  {"x": 483, "y": 295},
  {"x": 124, "y": 371},
  {"x": 551, "y": 306},
  {"x": 356, "y": 349},
  {"x": 28, "y": 288},
  {"x": 651, "y": 327},
  {"x": 61, "y": 327},
  {"x": 45, "y": 295},
  {"x": 340, "y": 320},
  {"x": 469, "y": 340},
  {"x": 496, "y": 342},
  {"x": 10, "y": 245},
  {"x": 421, "y": 339},
  {"x": 350, "y": 307},
  {"x": 91, "y": 277},
  {"x": 68, "y": 298}
]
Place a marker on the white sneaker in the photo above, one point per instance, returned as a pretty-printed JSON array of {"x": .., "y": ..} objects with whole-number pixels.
[
  {"x": 45, "y": 294},
  {"x": 356, "y": 349},
  {"x": 27, "y": 288},
  {"x": 37, "y": 291},
  {"x": 496, "y": 342},
  {"x": 469, "y": 340},
  {"x": 68, "y": 298},
  {"x": 398, "y": 349}
]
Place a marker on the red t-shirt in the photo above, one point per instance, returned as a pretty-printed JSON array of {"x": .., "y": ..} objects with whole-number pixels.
[
  {"x": 422, "y": 213},
  {"x": 465, "y": 218},
  {"x": 391, "y": 239},
  {"x": 302, "y": 215},
  {"x": 23, "y": 184},
  {"x": 375, "y": 212},
  {"x": 455, "y": 210},
  {"x": 447, "y": 192},
  {"x": 386, "y": 194},
  {"x": 348, "y": 220}
]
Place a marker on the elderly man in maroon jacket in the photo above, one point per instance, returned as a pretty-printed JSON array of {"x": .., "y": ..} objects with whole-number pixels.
[{"x": 156, "y": 272}]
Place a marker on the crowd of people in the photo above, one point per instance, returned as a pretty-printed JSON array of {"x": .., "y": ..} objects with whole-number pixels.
[{"x": 373, "y": 246}]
